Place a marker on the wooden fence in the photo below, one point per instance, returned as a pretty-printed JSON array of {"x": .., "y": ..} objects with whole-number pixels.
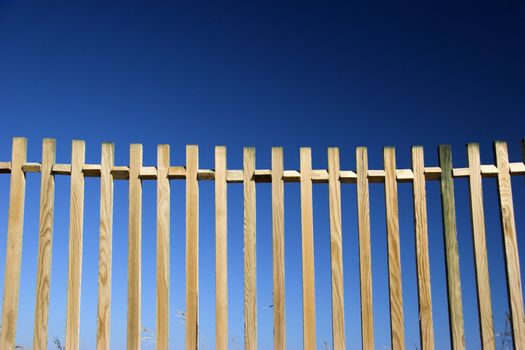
[{"x": 163, "y": 172}]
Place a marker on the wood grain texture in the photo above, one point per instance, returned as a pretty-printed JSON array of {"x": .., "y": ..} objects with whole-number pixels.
[
  {"x": 336, "y": 250},
  {"x": 15, "y": 228},
  {"x": 480, "y": 248},
  {"x": 105, "y": 246},
  {"x": 307, "y": 244},
  {"x": 192, "y": 247},
  {"x": 394, "y": 251},
  {"x": 76, "y": 220},
  {"x": 426, "y": 324},
  {"x": 279, "y": 325},
  {"x": 455, "y": 306},
  {"x": 134, "y": 247},
  {"x": 250, "y": 269},
  {"x": 365, "y": 258},
  {"x": 511, "y": 245},
  {"x": 221, "y": 249},
  {"x": 163, "y": 247},
  {"x": 45, "y": 239}
]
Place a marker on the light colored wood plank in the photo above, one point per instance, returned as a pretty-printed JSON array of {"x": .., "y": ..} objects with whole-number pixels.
[
  {"x": 517, "y": 168},
  {"x": 120, "y": 172},
  {"x": 511, "y": 245},
  {"x": 480, "y": 248},
  {"x": 221, "y": 249},
  {"x": 92, "y": 170},
  {"x": 62, "y": 169},
  {"x": 459, "y": 172},
  {"x": 45, "y": 239},
  {"x": 192, "y": 247},
  {"x": 250, "y": 268},
  {"x": 15, "y": 229},
  {"x": 163, "y": 247},
  {"x": 404, "y": 175},
  {"x": 347, "y": 176},
  {"x": 31, "y": 167},
  {"x": 365, "y": 258},
  {"x": 76, "y": 220},
  {"x": 45, "y": 235},
  {"x": 105, "y": 250},
  {"x": 279, "y": 325},
  {"x": 432, "y": 173},
  {"x": 148, "y": 173},
  {"x": 455, "y": 306},
  {"x": 426, "y": 324},
  {"x": 336, "y": 250},
  {"x": 307, "y": 244},
  {"x": 134, "y": 247},
  {"x": 5, "y": 167},
  {"x": 394, "y": 251}
]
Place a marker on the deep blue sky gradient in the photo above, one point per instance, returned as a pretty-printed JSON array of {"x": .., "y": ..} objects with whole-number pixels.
[{"x": 264, "y": 74}]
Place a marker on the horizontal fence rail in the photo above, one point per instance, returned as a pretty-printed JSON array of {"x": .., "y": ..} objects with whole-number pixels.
[{"x": 334, "y": 175}]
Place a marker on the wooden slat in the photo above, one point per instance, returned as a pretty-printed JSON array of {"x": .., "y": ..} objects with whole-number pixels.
[
  {"x": 480, "y": 248},
  {"x": 148, "y": 173},
  {"x": 31, "y": 167},
  {"x": 134, "y": 247},
  {"x": 5, "y": 167},
  {"x": 279, "y": 325},
  {"x": 105, "y": 246},
  {"x": 307, "y": 243},
  {"x": 92, "y": 170},
  {"x": 394, "y": 251},
  {"x": 192, "y": 247},
  {"x": 120, "y": 173},
  {"x": 45, "y": 239},
  {"x": 455, "y": 307},
  {"x": 15, "y": 224},
  {"x": 221, "y": 249},
  {"x": 62, "y": 169},
  {"x": 250, "y": 269},
  {"x": 365, "y": 259},
  {"x": 163, "y": 247},
  {"x": 76, "y": 217},
  {"x": 511, "y": 245},
  {"x": 336, "y": 250},
  {"x": 426, "y": 324},
  {"x": 264, "y": 175}
]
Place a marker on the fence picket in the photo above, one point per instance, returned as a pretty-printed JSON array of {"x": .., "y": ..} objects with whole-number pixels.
[
  {"x": 45, "y": 239},
  {"x": 480, "y": 248},
  {"x": 250, "y": 271},
  {"x": 105, "y": 246},
  {"x": 307, "y": 242},
  {"x": 365, "y": 258},
  {"x": 511, "y": 245},
  {"x": 455, "y": 307},
  {"x": 134, "y": 247},
  {"x": 13, "y": 257},
  {"x": 163, "y": 247},
  {"x": 394, "y": 251},
  {"x": 76, "y": 217},
  {"x": 192, "y": 248},
  {"x": 221, "y": 246},
  {"x": 426, "y": 324},
  {"x": 336, "y": 250},
  {"x": 279, "y": 324}
]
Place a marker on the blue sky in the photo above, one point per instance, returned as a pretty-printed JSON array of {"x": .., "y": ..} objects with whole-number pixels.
[{"x": 263, "y": 74}]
